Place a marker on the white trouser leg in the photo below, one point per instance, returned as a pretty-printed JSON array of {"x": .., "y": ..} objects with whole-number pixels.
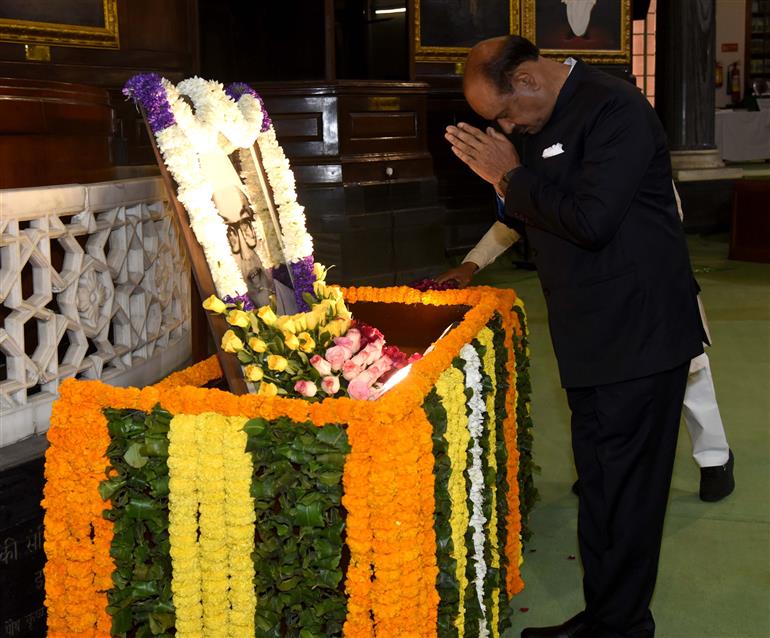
[{"x": 701, "y": 415}]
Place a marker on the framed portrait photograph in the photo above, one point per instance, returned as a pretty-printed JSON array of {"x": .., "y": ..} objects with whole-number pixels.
[
  {"x": 76, "y": 23},
  {"x": 445, "y": 30},
  {"x": 597, "y": 30}
]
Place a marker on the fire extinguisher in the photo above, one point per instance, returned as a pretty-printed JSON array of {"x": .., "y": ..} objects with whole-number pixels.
[
  {"x": 734, "y": 83},
  {"x": 718, "y": 75}
]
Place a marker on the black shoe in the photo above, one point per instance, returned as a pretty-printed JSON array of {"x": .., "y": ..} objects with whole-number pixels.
[
  {"x": 575, "y": 627},
  {"x": 718, "y": 481},
  {"x": 576, "y": 488}
]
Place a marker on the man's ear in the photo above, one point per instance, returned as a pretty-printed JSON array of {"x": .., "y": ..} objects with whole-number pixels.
[{"x": 522, "y": 79}]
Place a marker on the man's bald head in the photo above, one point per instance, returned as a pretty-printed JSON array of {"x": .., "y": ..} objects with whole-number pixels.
[
  {"x": 506, "y": 80},
  {"x": 496, "y": 59}
]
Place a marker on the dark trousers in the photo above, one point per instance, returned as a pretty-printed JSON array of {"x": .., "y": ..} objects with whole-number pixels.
[{"x": 624, "y": 441}]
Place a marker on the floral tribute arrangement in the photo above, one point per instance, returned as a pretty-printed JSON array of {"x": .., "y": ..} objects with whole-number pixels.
[
  {"x": 181, "y": 510},
  {"x": 197, "y": 117},
  {"x": 315, "y": 354}
]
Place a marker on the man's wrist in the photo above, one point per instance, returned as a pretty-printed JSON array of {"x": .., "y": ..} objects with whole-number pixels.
[{"x": 502, "y": 184}]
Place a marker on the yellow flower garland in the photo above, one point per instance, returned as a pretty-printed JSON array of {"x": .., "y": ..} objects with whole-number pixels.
[
  {"x": 451, "y": 388},
  {"x": 213, "y": 576},
  {"x": 485, "y": 338},
  {"x": 239, "y": 510},
  {"x": 183, "y": 526}
]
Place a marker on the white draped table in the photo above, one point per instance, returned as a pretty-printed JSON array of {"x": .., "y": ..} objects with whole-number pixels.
[{"x": 742, "y": 136}]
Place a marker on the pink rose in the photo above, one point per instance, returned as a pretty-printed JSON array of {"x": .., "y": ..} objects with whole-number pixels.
[
  {"x": 350, "y": 370},
  {"x": 322, "y": 365},
  {"x": 306, "y": 388},
  {"x": 369, "y": 354},
  {"x": 337, "y": 355},
  {"x": 330, "y": 385},
  {"x": 361, "y": 387},
  {"x": 352, "y": 340}
]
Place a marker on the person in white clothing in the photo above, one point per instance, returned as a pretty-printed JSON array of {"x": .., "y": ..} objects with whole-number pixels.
[{"x": 701, "y": 412}]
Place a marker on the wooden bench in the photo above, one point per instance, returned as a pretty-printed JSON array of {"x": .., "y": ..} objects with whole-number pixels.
[{"x": 750, "y": 221}]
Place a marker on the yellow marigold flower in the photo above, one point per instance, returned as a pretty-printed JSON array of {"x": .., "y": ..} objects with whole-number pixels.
[
  {"x": 306, "y": 342},
  {"x": 257, "y": 345},
  {"x": 253, "y": 372},
  {"x": 214, "y": 304},
  {"x": 267, "y": 315},
  {"x": 277, "y": 362},
  {"x": 231, "y": 342},
  {"x": 238, "y": 318},
  {"x": 267, "y": 389},
  {"x": 291, "y": 340}
]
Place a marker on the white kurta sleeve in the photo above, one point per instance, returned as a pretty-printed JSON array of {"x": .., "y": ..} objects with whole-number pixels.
[{"x": 493, "y": 244}]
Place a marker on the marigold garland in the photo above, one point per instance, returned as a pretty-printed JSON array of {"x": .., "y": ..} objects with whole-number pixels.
[
  {"x": 390, "y": 512},
  {"x": 183, "y": 526}
]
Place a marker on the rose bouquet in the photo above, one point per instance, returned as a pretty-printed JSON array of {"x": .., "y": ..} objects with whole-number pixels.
[{"x": 312, "y": 354}]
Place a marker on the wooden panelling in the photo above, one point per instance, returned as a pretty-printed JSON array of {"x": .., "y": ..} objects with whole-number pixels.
[
  {"x": 364, "y": 176},
  {"x": 383, "y": 126},
  {"x": 154, "y": 35},
  {"x": 52, "y": 133}
]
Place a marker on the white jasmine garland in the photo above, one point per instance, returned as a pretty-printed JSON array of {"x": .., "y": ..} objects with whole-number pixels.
[{"x": 477, "y": 409}]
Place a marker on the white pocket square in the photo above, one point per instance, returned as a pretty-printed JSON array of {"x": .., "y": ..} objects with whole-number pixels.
[{"x": 556, "y": 149}]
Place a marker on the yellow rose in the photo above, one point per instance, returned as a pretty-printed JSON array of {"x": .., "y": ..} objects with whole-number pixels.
[
  {"x": 342, "y": 310},
  {"x": 311, "y": 320},
  {"x": 257, "y": 345},
  {"x": 267, "y": 389},
  {"x": 238, "y": 318},
  {"x": 291, "y": 340},
  {"x": 319, "y": 270},
  {"x": 300, "y": 321},
  {"x": 306, "y": 342},
  {"x": 285, "y": 323},
  {"x": 267, "y": 315},
  {"x": 214, "y": 304},
  {"x": 319, "y": 288},
  {"x": 231, "y": 342},
  {"x": 253, "y": 372},
  {"x": 277, "y": 362}
]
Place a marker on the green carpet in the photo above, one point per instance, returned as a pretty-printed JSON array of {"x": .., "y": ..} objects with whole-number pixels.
[{"x": 714, "y": 579}]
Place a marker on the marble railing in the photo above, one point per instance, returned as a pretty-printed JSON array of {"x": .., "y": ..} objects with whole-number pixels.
[{"x": 94, "y": 284}]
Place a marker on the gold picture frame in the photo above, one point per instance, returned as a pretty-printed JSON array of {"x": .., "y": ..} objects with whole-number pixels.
[
  {"x": 605, "y": 37},
  {"x": 443, "y": 36},
  {"x": 51, "y": 28}
]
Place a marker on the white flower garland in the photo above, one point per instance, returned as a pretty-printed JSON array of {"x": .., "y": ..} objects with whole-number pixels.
[
  {"x": 239, "y": 123},
  {"x": 475, "y": 473}
]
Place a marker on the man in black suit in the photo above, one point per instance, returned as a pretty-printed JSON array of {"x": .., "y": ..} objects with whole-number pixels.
[{"x": 592, "y": 184}]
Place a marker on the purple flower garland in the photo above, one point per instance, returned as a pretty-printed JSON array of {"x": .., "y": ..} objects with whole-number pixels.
[
  {"x": 147, "y": 89},
  {"x": 236, "y": 89}
]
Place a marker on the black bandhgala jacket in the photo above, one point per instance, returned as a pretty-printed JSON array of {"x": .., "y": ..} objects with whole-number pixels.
[{"x": 605, "y": 234}]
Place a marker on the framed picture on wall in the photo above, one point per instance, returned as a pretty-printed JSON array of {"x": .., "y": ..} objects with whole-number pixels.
[
  {"x": 445, "y": 30},
  {"x": 76, "y": 23},
  {"x": 596, "y": 30}
]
